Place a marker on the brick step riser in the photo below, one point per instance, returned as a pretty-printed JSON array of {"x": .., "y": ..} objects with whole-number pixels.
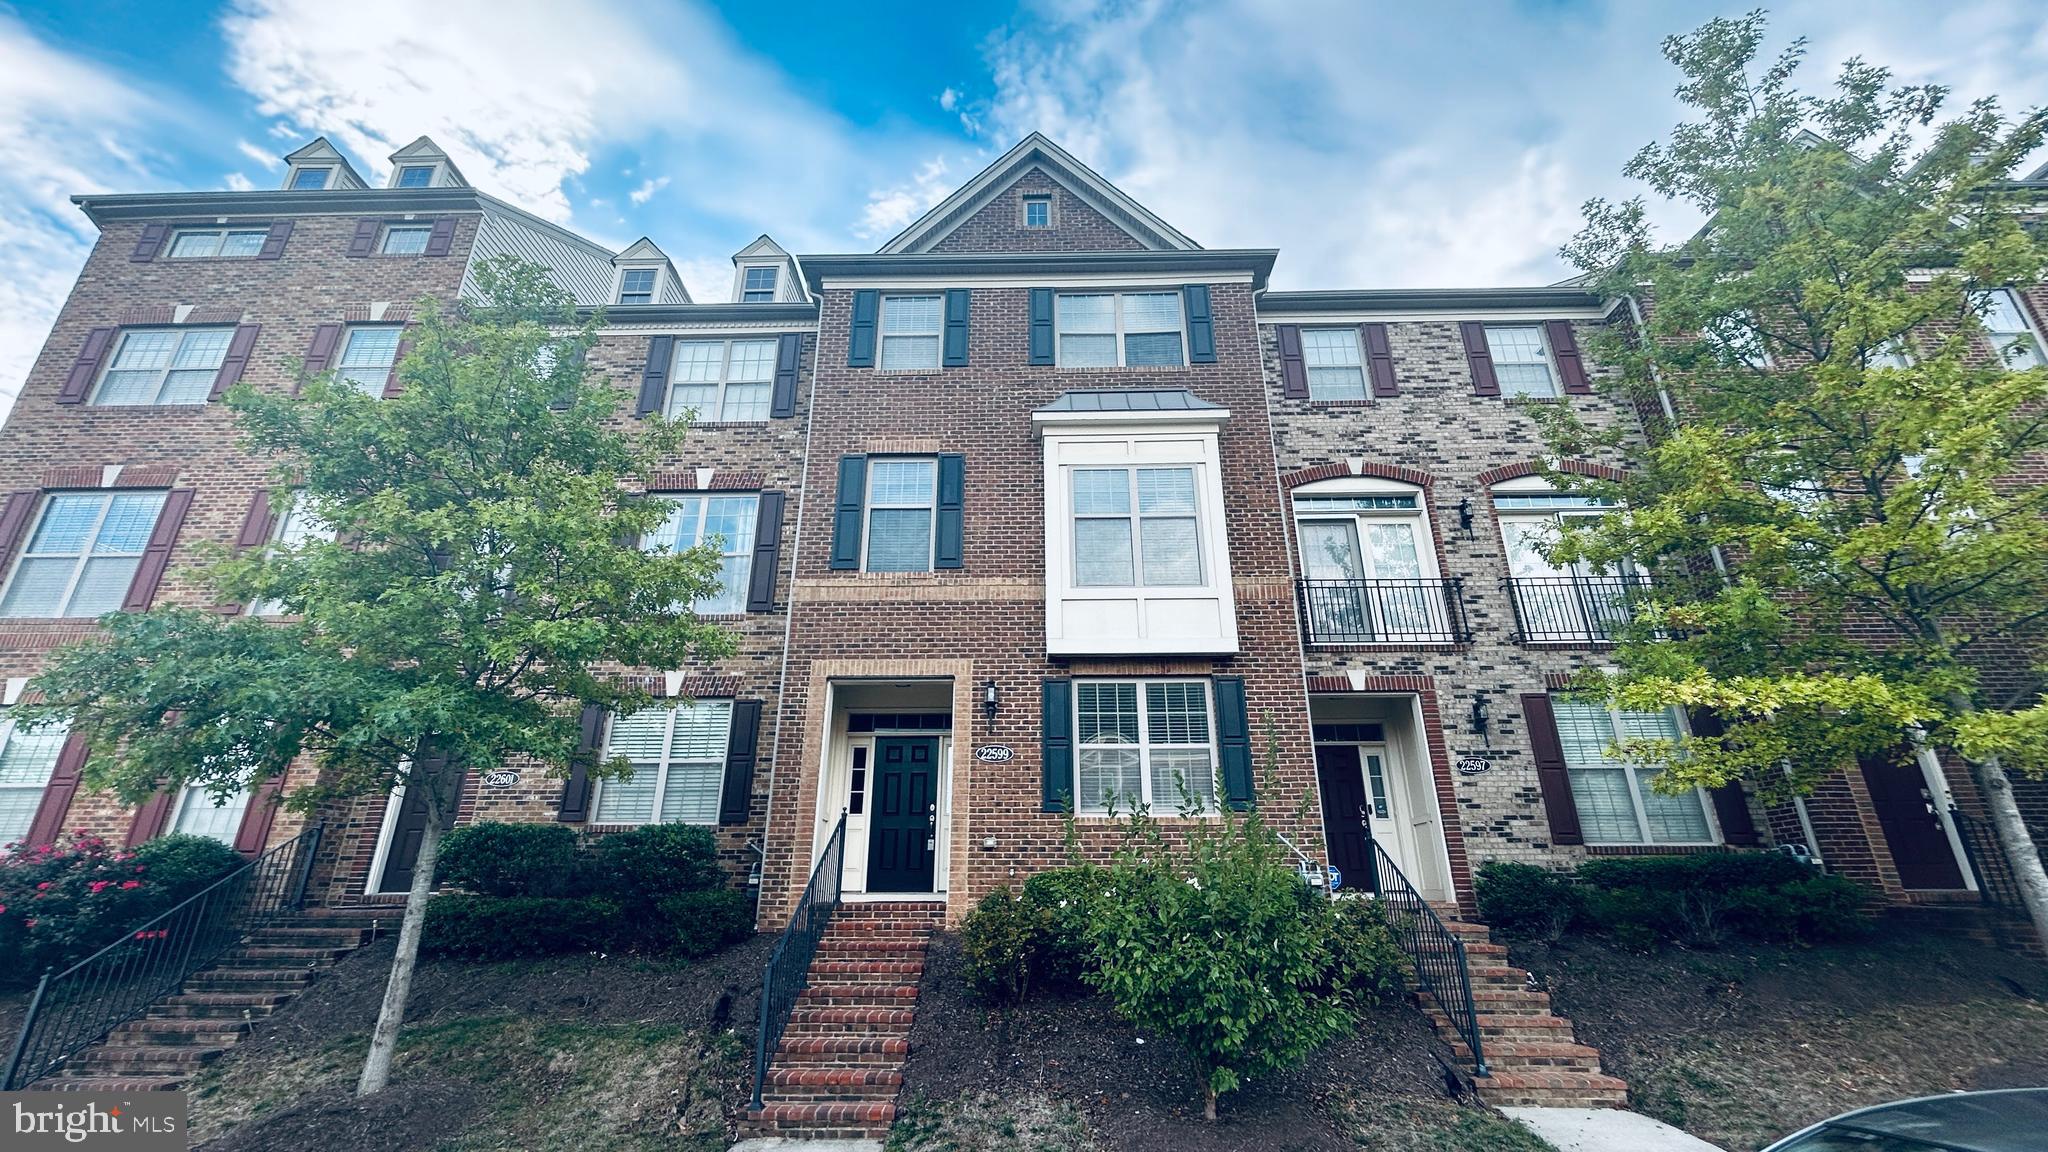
[
  {"x": 157, "y": 1038},
  {"x": 1555, "y": 1099},
  {"x": 108, "y": 1084},
  {"x": 857, "y": 996}
]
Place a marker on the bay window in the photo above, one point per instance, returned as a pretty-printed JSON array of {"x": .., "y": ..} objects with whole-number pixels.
[
  {"x": 1146, "y": 743},
  {"x": 1135, "y": 526}
]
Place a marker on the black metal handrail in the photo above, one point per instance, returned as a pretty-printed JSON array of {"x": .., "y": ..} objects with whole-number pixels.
[
  {"x": 1995, "y": 881},
  {"x": 74, "y": 1009},
  {"x": 788, "y": 970},
  {"x": 1383, "y": 611},
  {"x": 1437, "y": 953},
  {"x": 1575, "y": 609}
]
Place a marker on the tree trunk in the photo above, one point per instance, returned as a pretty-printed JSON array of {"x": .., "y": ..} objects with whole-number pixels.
[
  {"x": 2021, "y": 855},
  {"x": 1208, "y": 1103},
  {"x": 384, "y": 1039}
]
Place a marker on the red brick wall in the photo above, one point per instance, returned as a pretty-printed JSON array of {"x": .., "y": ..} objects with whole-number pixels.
[{"x": 999, "y": 225}]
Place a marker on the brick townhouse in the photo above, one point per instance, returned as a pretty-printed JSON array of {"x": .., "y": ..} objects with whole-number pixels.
[{"x": 1040, "y": 509}]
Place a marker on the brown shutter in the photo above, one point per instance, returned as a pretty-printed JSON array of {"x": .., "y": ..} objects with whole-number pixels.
[
  {"x": 14, "y": 518},
  {"x": 1479, "y": 358},
  {"x": 149, "y": 242},
  {"x": 49, "y": 821},
  {"x": 767, "y": 553},
  {"x": 326, "y": 339},
  {"x": 257, "y": 817},
  {"x": 654, "y": 378},
  {"x": 364, "y": 242},
  {"x": 157, "y": 556},
  {"x": 235, "y": 361},
  {"x": 86, "y": 368},
  {"x": 257, "y": 525},
  {"x": 1551, "y": 774},
  {"x": 1564, "y": 348},
  {"x": 1293, "y": 369},
  {"x": 1731, "y": 803},
  {"x": 393, "y": 386},
  {"x": 1379, "y": 359},
  {"x": 442, "y": 238},
  {"x": 150, "y": 817},
  {"x": 575, "y": 804},
  {"x": 273, "y": 244}
]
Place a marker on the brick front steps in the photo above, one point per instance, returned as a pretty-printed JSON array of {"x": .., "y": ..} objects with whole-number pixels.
[
  {"x": 184, "y": 1032},
  {"x": 1531, "y": 1056},
  {"x": 840, "y": 1064}
]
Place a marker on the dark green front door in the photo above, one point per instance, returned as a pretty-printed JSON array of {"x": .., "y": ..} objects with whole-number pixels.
[{"x": 903, "y": 814}]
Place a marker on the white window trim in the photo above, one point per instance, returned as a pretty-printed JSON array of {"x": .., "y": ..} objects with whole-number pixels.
[
  {"x": 774, "y": 289},
  {"x": 326, "y": 178},
  {"x": 937, "y": 336},
  {"x": 222, "y": 232},
  {"x": 1163, "y": 438},
  {"x": 676, "y": 383},
  {"x": 1135, "y": 517},
  {"x": 278, "y": 531},
  {"x": 2019, "y": 307},
  {"x": 1214, "y": 810},
  {"x": 183, "y": 800},
  {"x": 619, "y": 283},
  {"x": 433, "y": 175},
  {"x": 867, "y": 510},
  {"x": 1715, "y": 836},
  {"x": 1117, "y": 320},
  {"x": 348, "y": 336},
  {"x": 1308, "y": 370},
  {"x": 384, "y": 237},
  {"x": 1024, "y": 209},
  {"x": 666, "y": 767},
  {"x": 8, "y": 727},
  {"x": 1549, "y": 361},
  {"x": 78, "y": 567},
  {"x": 703, "y": 502},
  {"x": 163, "y": 376}
]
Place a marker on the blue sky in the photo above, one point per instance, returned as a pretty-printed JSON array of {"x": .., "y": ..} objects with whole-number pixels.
[{"x": 1375, "y": 143}]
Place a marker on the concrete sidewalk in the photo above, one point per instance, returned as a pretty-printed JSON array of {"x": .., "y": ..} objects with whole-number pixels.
[{"x": 1605, "y": 1130}]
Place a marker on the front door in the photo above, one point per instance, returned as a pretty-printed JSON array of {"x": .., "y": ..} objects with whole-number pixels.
[
  {"x": 404, "y": 849},
  {"x": 903, "y": 822},
  {"x": 1913, "y": 831},
  {"x": 1346, "y": 827}
]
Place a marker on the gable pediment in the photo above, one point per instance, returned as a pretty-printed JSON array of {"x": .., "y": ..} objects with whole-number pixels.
[{"x": 990, "y": 204}]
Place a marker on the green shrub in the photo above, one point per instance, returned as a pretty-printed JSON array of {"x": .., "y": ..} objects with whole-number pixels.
[
  {"x": 1061, "y": 905},
  {"x": 508, "y": 927},
  {"x": 697, "y": 924},
  {"x": 181, "y": 865},
  {"x": 1701, "y": 899},
  {"x": 1525, "y": 900},
  {"x": 1366, "y": 965},
  {"x": 640, "y": 867},
  {"x": 997, "y": 938},
  {"x": 512, "y": 860}
]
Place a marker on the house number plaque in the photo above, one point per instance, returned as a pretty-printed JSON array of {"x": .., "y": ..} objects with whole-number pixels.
[
  {"x": 502, "y": 778},
  {"x": 995, "y": 754}
]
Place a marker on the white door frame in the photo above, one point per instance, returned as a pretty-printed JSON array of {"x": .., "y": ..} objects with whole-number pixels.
[{"x": 373, "y": 883}]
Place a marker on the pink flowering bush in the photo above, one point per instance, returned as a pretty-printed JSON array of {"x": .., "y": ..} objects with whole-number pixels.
[{"x": 62, "y": 902}]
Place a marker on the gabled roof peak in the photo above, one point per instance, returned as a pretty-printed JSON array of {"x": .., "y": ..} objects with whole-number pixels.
[
  {"x": 763, "y": 246},
  {"x": 1037, "y": 151}
]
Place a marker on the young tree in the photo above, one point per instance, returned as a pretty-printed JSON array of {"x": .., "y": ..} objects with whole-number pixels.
[
  {"x": 479, "y": 580},
  {"x": 1847, "y": 446}
]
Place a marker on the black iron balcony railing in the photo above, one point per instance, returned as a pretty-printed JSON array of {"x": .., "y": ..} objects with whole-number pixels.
[
  {"x": 1383, "y": 611},
  {"x": 788, "y": 970},
  {"x": 1575, "y": 609}
]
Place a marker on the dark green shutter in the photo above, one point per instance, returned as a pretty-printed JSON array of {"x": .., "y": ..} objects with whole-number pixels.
[
  {"x": 767, "y": 553},
  {"x": 1234, "y": 741},
  {"x": 958, "y": 301},
  {"x": 846, "y": 515},
  {"x": 736, "y": 802},
  {"x": 654, "y": 377},
  {"x": 575, "y": 805},
  {"x": 860, "y": 338},
  {"x": 951, "y": 551},
  {"x": 1056, "y": 745},
  {"x": 1041, "y": 326},
  {"x": 1201, "y": 329},
  {"x": 788, "y": 352}
]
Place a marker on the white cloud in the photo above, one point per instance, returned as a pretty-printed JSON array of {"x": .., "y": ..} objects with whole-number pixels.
[
  {"x": 269, "y": 161},
  {"x": 237, "y": 182},
  {"x": 61, "y": 119},
  {"x": 709, "y": 278},
  {"x": 949, "y": 99},
  {"x": 889, "y": 209},
  {"x": 646, "y": 190}
]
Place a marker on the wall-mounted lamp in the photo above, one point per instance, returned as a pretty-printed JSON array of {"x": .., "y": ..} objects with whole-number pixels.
[
  {"x": 991, "y": 700},
  {"x": 1481, "y": 718},
  {"x": 1465, "y": 518}
]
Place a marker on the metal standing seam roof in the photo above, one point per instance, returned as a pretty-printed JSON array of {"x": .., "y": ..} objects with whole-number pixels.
[{"x": 1131, "y": 400}]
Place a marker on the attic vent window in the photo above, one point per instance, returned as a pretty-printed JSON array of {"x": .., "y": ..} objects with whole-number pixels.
[
  {"x": 1038, "y": 211},
  {"x": 636, "y": 286},
  {"x": 310, "y": 179},
  {"x": 758, "y": 287},
  {"x": 416, "y": 176}
]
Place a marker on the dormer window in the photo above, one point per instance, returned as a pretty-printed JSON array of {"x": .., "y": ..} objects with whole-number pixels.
[
  {"x": 758, "y": 286},
  {"x": 1038, "y": 211},
  {"x": 310, "y": 179},
  {"x": 636, "y": 286},
  {"x": 415, "y": 176}
]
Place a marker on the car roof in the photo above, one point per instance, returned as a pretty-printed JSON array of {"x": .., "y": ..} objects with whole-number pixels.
[{"x": 2011, "y": 1120}]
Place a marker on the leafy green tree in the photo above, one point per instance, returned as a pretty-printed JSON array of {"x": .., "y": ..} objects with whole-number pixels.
[
  {"x": 1848, "y": 453},
  {"x": 473, "y": 596}
]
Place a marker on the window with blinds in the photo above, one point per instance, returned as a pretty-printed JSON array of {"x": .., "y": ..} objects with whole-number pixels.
[
  {"x": 678, "y": 765},
  {"x": 1616, "y": 799}
]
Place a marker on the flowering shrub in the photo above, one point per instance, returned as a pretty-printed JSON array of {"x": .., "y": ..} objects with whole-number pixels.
[{"x": 61, "y": 903}]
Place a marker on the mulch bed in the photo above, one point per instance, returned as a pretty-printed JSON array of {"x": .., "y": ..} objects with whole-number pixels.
[{"x": 1136, "y": 1091}]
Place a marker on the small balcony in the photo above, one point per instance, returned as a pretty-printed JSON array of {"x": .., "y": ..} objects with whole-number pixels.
[
  {"x": 1575, "y": 609},
  {"x": 1363, "y": 613}
]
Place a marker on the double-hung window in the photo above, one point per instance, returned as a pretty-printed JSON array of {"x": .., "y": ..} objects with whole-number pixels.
[
  {"x": 757, "y": 286},
  {"x": 724, "y": 521},
  {"x": 416, "y": 176},
  {"x": 2005, "y": 320},
  {"x": 367, "y": 357},
  {"x": 678, "y": 760},
  {"x": 1521, "y": 360},
  {"x": 406, "y": 239},
  {"x": 1616, "y": 801},
  {"x": 910, "y": 332},
  {"x": 295, "y": 529},
  {"x": 27, "y": 759},
  {"x": 1136, "y": 527},
  {"x": 901, "y": 499},
  {"x": 1113, "y": 330},
  {"x": 1336, "y": 370},
  {"x": 1144, "y": 742},
  {"x": 164, "y": 366},
  {"x": 196, "y": 243},
  {"x": 636, "y": 286},
  {"x": 83, "y": 554},
  {"x": 199, "y": 813},
  {"x": 723, "y": 381}
]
